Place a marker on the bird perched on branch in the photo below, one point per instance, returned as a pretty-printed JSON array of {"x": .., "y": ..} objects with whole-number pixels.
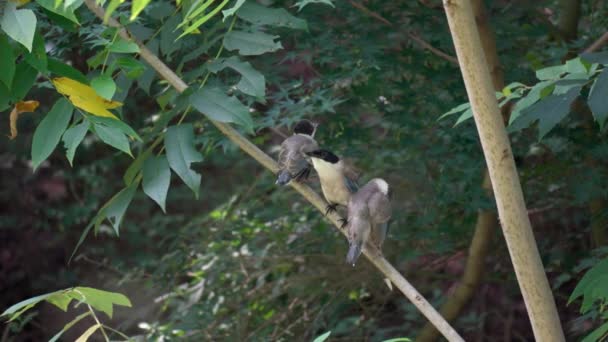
[
  {"x": 369, "y": 211},
  {"x": 293, "y": 161},
  {"x": 338, "y": 180}
]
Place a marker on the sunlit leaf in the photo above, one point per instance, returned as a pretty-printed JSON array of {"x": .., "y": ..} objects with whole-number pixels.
[
  {"x": 323, "y": 337},
  {"x": 112, "y": 6},
  {"x": 85, "y": 97},
  {"x": 66, "y": 12},
  {"x": 85, "y": 336},
  {"x": 49, "y": 131},
  {"x": 103, "y": 301},
  {"x": 233, "y": 9},
  {"x": 200, "y": 21},
  {"x": 17, "y": 309},
  {"x": 123, "y": 46},
  {"x": 137, "y": 6},
  {"x": 19, "y": 24},
  {"x": 69, "y": 325},
  {"x": 303, "y": 3}
]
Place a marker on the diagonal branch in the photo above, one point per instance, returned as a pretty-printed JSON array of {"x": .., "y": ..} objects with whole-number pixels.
[
  {"x": 410, "y": 34},
  {"x": 373, "y": 254}
]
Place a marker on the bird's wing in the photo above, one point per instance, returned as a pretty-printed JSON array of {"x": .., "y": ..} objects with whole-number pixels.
[
  {"x": 379, "y": 208},
  {"x": 351, "y": 184}
]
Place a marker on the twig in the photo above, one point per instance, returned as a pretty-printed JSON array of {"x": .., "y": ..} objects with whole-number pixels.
[
  {"x": 412, "y": 36},
  {"x": 372, "y": 253},
  {"x": 603, "y": 40}
]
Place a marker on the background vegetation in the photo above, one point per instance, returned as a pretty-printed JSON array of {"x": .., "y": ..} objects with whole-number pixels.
[{"x": 237, "y": 258}]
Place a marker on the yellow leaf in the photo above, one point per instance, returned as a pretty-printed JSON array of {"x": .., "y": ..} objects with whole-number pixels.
[
  {"x": 20, "y": 107},
  {"x": 20, "y": 2},
  {"x": 85, "y": 97},
  {"x": 85, "y": 336}
]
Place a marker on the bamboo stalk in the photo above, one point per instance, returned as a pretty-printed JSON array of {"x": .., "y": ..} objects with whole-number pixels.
[
  {"x": 370, "y": 252},
  {"x": 503, "y": 174}
]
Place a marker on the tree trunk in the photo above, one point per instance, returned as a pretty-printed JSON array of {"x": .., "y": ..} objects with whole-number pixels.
[
  {"x": 487, "y": 220},
  {"x": 569, "y": 14},
  {"x": 503, "y": 174}
]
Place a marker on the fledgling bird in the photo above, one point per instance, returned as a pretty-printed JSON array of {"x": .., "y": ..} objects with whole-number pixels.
[
  {"x": 338, "y": 180},
  {"x": 369, "y": 211},
  {"x": 293, "y": 161}
]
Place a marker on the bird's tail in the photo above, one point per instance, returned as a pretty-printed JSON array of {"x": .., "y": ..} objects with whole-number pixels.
[
  {"x": 354, "y": 251},
  {"x": 283, "y": 177}
]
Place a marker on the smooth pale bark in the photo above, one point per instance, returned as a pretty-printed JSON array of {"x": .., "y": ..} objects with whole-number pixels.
[
  {"x": 503, "y": 174},
  {"x": 487, "y": 220},
  {"x": 373, "y": 254}
]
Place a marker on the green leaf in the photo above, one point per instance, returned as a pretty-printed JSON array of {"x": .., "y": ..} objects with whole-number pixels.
[
  {"x": 548, "y": 112},
  {"x": 252, "y": 81},
  {"x": 114, "y": 210},
  {"x": 597, "y": 334},
  {"x": 251, "y": 43},
  {"x": 123, "y": 46},
  {"x": 598, "y": 98},
  {"x": 24, "y": 79},
  {"x": 130, "y": 66},
  {"x": 66, "y": 12},
  {"x": 69, "y": 325},
  {"x": 104, "y": 86},
  {"x": 37, "y": 58},
  {"x": 398, "y": 339},
  {"x": 99, "y": 299},
  {"x": 49, "y": 131},
  {"x": 322, "y": 337},
  {"x": 73, "y": 137},
  {"x": 156, "y": 179},
  {"x": 233, "y": 9},
  {"x": 203, "y": 19},
  {"x": 5, "y": 98},
  {"x": 531, "y": 98},
  {"x": 19, "y": 24},
  {"x": 303, "y": 3},
  {"x": 60, "y": 300},
  {"x": 168, "y": 36},
  {"x": 61, "y": 69},
  {"x": 88, "y": 333},
  {"x": 179, "y": 143},
  {"x": 583, "y": 287},
  {"x": 457, "y": 109},
  {"x": 215, "y": 104},
  {"x": 7, "y": 62},
  {"x": 577, "y": 65},
  {"x": 113, "y": 137},
  {"x": 464, "y": 116},
  {"x": 110, "y": 122},
  {"x": 262, "y": 15},
  {"x": 112, "y": 6},
  {"x": 16, "y": 310},
  {"x": 136, "y": 7},
  {"x": 550, "y": 73}
]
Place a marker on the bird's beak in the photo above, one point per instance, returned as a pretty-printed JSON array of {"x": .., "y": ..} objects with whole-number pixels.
[{"x": 354, "y": 251}]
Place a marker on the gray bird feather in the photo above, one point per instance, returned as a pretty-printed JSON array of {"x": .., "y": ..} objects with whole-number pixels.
[
  {"x": 369, "y": 211},
  {"x": 292, "y": 158}
]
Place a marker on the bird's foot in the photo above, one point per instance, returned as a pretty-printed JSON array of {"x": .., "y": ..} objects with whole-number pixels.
[
  {"x": 343, "y": 221},
  {"x": 330, "y": 208}
]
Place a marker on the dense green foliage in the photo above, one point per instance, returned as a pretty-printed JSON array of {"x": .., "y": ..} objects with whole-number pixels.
[{"x": 166, "y": 210}]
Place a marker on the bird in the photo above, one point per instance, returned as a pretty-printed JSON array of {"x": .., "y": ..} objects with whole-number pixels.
[
  {"x": 369, "y": 212},
  {"x": 338, "y": 180},
  {"x": 293, "y": 162}
]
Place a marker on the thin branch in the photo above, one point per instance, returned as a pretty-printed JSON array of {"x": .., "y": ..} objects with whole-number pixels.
[
  {"x": 412, "y": 36},
  {"x": 603, "y": 40},
  {"x": 372, "y": 253}
]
